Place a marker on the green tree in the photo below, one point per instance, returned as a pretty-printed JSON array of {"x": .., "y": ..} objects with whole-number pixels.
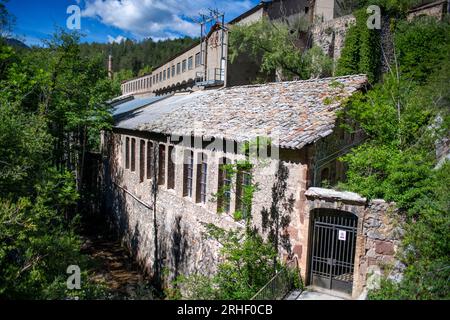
[{"x": 274, "y": 45}]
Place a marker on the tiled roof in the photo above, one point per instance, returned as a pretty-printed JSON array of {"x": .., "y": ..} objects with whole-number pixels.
[{"x": 293, "y": 113}]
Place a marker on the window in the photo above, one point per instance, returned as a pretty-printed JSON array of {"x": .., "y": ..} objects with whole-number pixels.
[
  {"x": 306, "y": 9},
  {"x": 190, "y": 63},
  {"x": 243, "y": 181},
  {"x": 178, "y": 68},
  {"x": 198, "y": 60},
  {"x": 149, "y": 159},
  {"x": 173, "y": 71},
  {"x": 127, "y": 153},
  {"x": 142, "y": 161},
  {"x": 202, "y": 175},
  {"x": 171, "y": 169},
  {"x": 160, "y": 77},
  {"x": 162, "y": 165},
  {"x": 183, "y": 66},
  {"x": 164, "y": 75},
  {"x": 224, "y": 187},
  {"x": 168, "y": 73},
  {"x": 133, "y": 154},
  {"x": 188, "y": 173}
]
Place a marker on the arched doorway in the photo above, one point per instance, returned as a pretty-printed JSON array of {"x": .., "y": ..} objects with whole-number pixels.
[{"x": 333, "y": 243}]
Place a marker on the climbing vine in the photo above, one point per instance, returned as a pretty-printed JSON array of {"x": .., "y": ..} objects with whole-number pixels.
[{"x": 362, "y": 50}]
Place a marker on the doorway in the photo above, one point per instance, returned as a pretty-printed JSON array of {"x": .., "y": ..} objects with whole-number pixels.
[{"x": 333, "y": 245}]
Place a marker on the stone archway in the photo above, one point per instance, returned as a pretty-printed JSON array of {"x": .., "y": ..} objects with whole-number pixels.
[
  {"x": 334, "y": 213},
  {"x": 332, "y": 246}
]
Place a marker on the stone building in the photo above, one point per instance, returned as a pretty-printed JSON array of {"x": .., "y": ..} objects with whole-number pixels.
[
  {"x": 164, "y": 165},
  {"x": 206, "y": 64}
]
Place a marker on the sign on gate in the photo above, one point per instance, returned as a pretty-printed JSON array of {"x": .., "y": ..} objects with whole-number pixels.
[{"x": 342, "y": 235}]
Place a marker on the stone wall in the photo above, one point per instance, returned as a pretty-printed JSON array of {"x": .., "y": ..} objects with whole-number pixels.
[
  {"x": 178, "y": 230},
  {"x": 330, "y": 35},
  {"x": 436, "y": 9},
  {"x": 382, "y": 231},
  {"x": 379, "y": 234}
]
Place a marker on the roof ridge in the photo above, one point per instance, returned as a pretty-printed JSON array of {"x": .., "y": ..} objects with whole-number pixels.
[{"x": 296, "y": 81}]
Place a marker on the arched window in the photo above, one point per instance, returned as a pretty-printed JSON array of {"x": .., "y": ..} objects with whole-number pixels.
[
  {"x": 202, "y": 177},
  {"x": 224, "y": 186},
  {"x": 188, "y": 173}
]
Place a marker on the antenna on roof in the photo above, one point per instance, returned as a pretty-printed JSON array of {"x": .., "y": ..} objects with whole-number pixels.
[{"x": 213, "y": 18}]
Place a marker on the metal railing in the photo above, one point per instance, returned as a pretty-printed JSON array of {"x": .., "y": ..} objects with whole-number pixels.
[
  {"x": 281, "y": 284},
  {"x": 213, "y": 77}
]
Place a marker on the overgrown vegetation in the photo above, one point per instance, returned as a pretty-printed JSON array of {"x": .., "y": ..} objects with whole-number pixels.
[
  {"x": 405, "y": 117},
  {"x": 361, "y": 52},
  {"x": 247, "y": 260},
  {"x": 276, "y": 47},
  {"x": 51, "y": 109}
]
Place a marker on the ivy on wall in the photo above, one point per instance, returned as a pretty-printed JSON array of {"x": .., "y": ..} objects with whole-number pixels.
[{"x": 362, "y": 50}]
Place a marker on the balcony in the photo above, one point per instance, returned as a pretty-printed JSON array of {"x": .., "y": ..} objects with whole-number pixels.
[{"x": 214, "y": 77}]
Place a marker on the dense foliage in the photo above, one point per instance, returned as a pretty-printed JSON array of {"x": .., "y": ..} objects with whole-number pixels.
[
  {"x": 361, "y": 52},
  {"x": 275, "y": 45},
  {"x": 405, "y": 118},
  {"x": 51, "y": 109}
]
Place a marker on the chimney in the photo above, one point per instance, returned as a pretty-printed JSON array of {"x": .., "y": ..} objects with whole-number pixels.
[{"x": 110, "y": 67}]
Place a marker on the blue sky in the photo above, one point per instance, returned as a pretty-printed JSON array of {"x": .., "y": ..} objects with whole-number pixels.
[{"x": 113, "y": 20}]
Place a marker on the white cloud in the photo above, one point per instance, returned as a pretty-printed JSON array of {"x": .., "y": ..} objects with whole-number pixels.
[
  {"x": 117, "y": 39},
  {"x": 158, "y": 19}
]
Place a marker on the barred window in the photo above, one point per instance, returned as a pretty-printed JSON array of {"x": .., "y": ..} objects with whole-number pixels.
[
  {"x": 178, "y": 68},
  {"x": 202, "y": 175},
  {"x": 168, "y": 73},
  {"x": 164, "y": 75},
  {"x": 188, "y": 173},
  {"x": 190, "y": 63},
  {"x": 183, "y": 67},
  {"x": 173, "y": 71}
]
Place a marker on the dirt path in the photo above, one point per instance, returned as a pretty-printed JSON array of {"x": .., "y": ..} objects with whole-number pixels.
[{"x": 114, "y": 266}]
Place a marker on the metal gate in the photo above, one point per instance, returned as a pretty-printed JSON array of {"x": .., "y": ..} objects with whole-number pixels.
[{"x": 333, "y": 250}]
